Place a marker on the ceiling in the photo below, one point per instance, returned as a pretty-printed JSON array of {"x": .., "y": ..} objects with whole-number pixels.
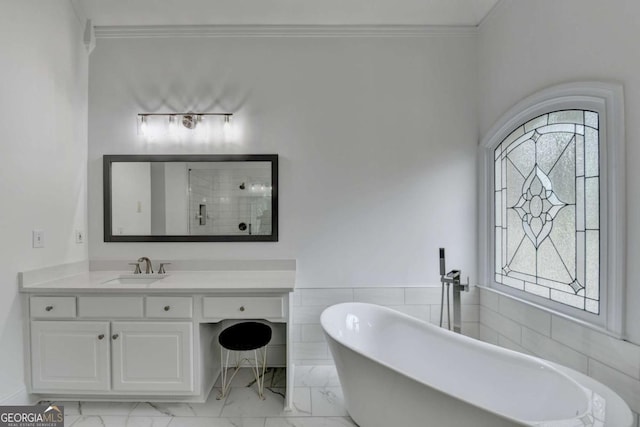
[{"x": 284, "y": 12}]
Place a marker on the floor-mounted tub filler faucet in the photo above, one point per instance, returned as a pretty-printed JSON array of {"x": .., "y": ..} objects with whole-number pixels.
[{"x": 451, "y": 278}]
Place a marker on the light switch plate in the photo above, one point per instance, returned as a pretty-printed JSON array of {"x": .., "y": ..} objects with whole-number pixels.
[
  {"x": 79, "y": 236},
  {"x": 38, "y": 238}
]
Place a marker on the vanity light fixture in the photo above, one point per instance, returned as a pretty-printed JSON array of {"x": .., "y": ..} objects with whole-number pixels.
[{"x": 189, "y": 120}]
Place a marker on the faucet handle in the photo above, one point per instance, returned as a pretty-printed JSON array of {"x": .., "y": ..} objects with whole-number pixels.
[
  {"x": 161, "y": 270},
  {"x": 137, "y": 270}
]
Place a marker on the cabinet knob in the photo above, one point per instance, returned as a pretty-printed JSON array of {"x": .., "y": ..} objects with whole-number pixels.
[
  {"x": 115, "y": 336},
  {"x": 101, "y": 336},
  {"x": 49, "y": 308},
  {"x": 167, "y": 307},
  {"x": 242, "y": 308}
]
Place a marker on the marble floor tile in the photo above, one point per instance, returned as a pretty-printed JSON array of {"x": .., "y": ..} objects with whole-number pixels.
[
  {"x": 273, "y": 377},
  {"x": 317, "y": 402},
  {"x": 106, "y": 408},
  {"x": 277, "y": 377},
  {"x": 216, "y": 422},
  {"x": 70, "y": 407},
  {"x": 311, "y": 422},
  {"x": 211, "y": 408},
  {"x": 327, "y": 402},
  {"x": 244, "y": 402},
  {"x": 316, "y": 376},
  {"x": 152, "y": 409},
  {"x": 86, "y": 421},
  {"x": 301, "y": 403},
  {"x": 118, "y": 421},
  {"x": 70, "y": 419}
]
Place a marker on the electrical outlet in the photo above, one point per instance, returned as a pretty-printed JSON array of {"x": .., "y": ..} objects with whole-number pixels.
[
  {"x": 79, "y": 236},
  {"x": 37, "y": 238}
]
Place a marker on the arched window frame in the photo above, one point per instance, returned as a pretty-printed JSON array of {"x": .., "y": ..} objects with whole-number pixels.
[{"x": 607, "y": 100}]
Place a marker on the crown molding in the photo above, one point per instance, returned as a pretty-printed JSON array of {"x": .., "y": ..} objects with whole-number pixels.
[
  {"x": 490, "y": 16},
  {"x": 185, "y": 31}
]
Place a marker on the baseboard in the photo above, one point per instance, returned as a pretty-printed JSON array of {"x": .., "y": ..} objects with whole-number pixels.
[{"x": 20, "y": 397}]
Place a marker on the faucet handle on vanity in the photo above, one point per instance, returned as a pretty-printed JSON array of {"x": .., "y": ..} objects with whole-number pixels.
[
  {"x": 161, "y": 270},
  {"x": 137, "y": 270}
]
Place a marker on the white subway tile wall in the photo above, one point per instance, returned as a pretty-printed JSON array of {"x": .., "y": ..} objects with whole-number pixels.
[
  {"x": 518, "y": 326},
  {"x": 230, "y": 196},
  {"x": 309, "y": 344}
]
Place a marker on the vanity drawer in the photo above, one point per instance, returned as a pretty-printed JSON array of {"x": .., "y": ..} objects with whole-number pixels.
[
  {"x": 111, "y": 307},
  {"x": 242, "y": 307},
  {"x": 53, "y": 307},
  {"x": 169, "y": 307}
]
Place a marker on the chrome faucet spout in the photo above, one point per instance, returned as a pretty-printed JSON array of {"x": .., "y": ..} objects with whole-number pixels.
[{"x": 148, "y": 267}]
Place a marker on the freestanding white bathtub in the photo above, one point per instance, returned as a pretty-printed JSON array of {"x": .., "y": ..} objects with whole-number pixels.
[{"x": 398, "y": 371}]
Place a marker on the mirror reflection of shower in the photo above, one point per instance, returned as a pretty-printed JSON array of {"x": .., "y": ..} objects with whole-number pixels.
[{"x": 229, "y": 199}]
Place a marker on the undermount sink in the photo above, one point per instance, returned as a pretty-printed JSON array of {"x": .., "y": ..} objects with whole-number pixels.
[{"x": 135, "y": 279}]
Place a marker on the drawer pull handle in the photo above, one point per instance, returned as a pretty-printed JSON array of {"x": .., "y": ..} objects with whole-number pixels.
[
  {"x": 101, "y": 336},
  {"x": 49, "y": 308},
  {"x": 167, "y": 307},
  {"x": 115, "y": 336},
  {"x": 242, "y": 308}
]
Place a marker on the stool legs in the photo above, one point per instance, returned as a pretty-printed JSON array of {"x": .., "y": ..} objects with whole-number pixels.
[
  {"x": 224, "y": 372},
  {"x": 258, "y": 371},
  {"x": 258, "y": 374}
]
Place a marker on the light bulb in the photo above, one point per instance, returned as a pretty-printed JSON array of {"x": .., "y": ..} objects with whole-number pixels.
[
  {"x": 202, "y": 130},
  {"x": 144, "y": 127},
  {"x": 173, "y": 125},
  {"x": 226, "y": 127}
]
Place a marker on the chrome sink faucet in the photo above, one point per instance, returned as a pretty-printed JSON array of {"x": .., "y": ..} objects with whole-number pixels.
[{"x": 148, "y": 267}]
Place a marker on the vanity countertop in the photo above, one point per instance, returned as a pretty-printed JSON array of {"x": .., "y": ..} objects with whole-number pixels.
[{"x": 174, "y": 281}]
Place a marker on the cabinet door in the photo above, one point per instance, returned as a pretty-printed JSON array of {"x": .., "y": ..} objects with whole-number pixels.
[
  {"x": 70, "y": 356},
  {"x": 152, "y": 356}
]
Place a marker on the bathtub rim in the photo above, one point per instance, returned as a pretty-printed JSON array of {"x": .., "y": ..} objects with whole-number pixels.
[{"x": 472, "y": 341}]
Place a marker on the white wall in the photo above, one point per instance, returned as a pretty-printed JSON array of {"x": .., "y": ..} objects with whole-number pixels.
[
  {"x": 376, "y": 137},
  {"x": 43, "y": 150},
  {"x": 526, "y": 46}
]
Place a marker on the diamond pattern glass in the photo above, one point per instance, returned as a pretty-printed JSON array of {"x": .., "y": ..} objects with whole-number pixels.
[{"x": 547, "y": 202}]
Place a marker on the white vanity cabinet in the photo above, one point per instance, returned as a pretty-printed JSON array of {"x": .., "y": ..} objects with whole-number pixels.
[
  {"x": 152, "y": 356},
  {"x": 78, "y": 355},
  {"x": 89, "y": 336},
  {"x": 70, "y": 355}
]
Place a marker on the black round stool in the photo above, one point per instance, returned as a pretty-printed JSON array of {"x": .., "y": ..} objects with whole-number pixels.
[{"x": 245, "y": 336}]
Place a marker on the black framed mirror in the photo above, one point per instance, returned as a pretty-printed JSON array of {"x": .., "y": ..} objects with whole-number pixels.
[{"x": 190, "y": 198}]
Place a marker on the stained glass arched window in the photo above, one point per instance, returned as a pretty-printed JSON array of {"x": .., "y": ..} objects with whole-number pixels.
[
  {"x": 547, "y": 220},
  {"x": 552, "y": 216}
]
